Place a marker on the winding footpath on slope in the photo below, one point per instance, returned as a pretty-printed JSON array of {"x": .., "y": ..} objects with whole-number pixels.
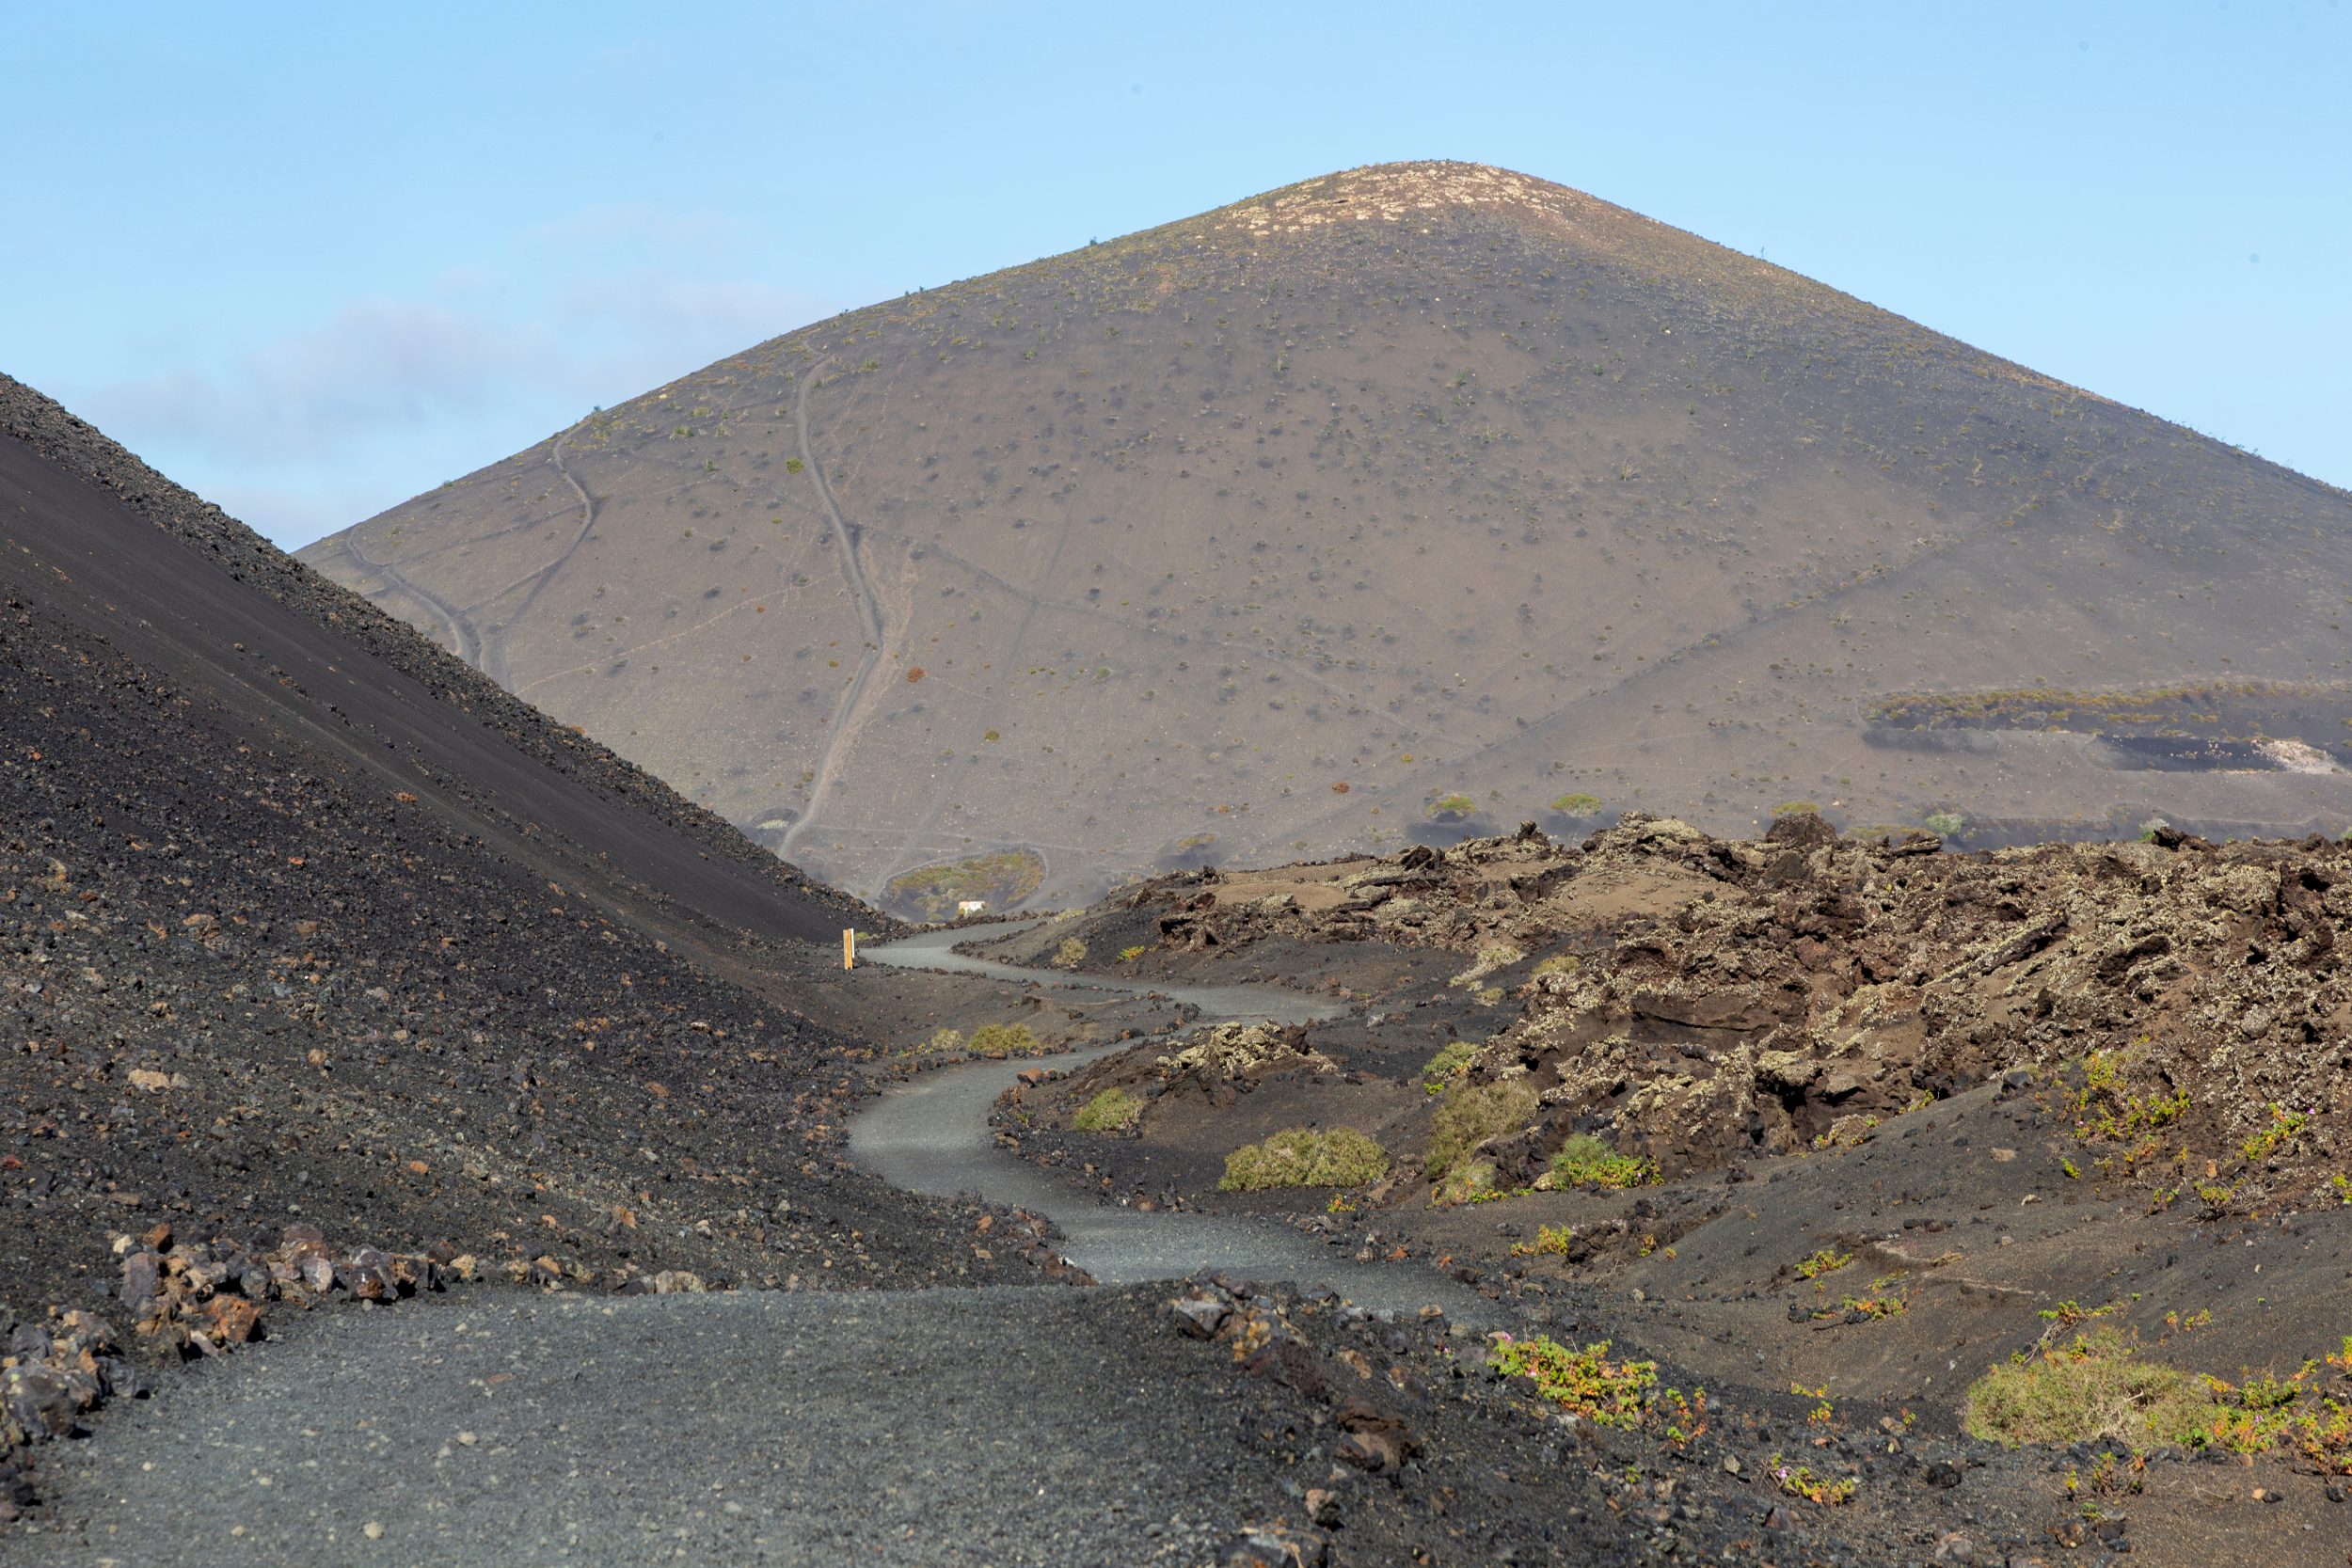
[
  {"x": 465, "y": 640},
  {"x": 930, "y": 1429},
  {"x": 869, "y": 616},
  {"x": 496, "y": 649},
  {"x": 932, "y": 1135}
]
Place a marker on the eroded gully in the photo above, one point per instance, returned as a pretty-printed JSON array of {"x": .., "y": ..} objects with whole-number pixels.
[{"x": 931, "y": 1135}]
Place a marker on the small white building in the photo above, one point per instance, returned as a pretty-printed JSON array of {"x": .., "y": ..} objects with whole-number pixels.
[{"x": 970, "y": 906}]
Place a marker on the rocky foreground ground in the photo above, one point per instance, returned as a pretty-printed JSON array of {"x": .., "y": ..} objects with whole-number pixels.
[
  {"x": 1855, "y": 1121},
  {"x": 330, "y": 973}
]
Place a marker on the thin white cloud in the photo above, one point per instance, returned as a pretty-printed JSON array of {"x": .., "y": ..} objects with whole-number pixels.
[
  {"x": 652, "y": 308},
  {"x": 374, "y": 365},
  {"x": 336, "y": 419}
]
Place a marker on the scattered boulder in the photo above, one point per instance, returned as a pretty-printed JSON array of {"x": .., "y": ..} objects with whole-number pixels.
[
  {"x": 1276, "y": 1545},
  {"x": 1372, "y": 1441},
  {"x": 1200, "y": 1314}
]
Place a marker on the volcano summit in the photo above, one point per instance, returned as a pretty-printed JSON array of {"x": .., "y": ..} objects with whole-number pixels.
[{"x": 1394, "y": 505}]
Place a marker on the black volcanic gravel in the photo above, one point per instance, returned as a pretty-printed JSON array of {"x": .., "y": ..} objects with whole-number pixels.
[
  {"x": 411, "y": 1015},
  {"x": 71, "y": 446}
]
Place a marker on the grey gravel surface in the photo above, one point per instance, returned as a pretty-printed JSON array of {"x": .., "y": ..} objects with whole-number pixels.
[
  {"x": 940, "y": 1428},
  {"x": 1004, "y": 1426},
  {"x": 936, "y": 949},
  {"x": 931, "y": 1136}
]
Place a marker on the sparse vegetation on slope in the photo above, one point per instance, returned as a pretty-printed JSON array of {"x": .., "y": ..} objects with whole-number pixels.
[
  {"x": 1302, "y": 1157},
  {"x": 2098, "y": 1387},
  {"x": 1470, "y": 1115},
  {"x": 1111, "y": 1111},
  {"x": 1397, "y": 478},
  {"x": 1584, "y": 1161},
  {"x": 1002, "y": 882}
]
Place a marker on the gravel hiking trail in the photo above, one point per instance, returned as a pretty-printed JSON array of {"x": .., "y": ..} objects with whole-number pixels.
[
  {"x": 931, "y": 1136},
  {"x": 991, "y": 1426},
  {"x": 939, "y": 1428}
]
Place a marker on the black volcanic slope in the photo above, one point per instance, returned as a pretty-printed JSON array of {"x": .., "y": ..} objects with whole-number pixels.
[
  {"x": 299, "y": 918},
  {"x": 1459, "y": 489}
]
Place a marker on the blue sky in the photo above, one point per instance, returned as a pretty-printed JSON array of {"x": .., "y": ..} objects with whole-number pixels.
[{"x": 311, "y": 259}]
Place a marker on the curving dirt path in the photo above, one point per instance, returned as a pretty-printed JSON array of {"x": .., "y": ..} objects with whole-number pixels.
[
  {"x": 465, "y": 639},
  {"x": 931, "y": 1429},
  {"x": 494, "y": 650},
  {"x": 869, "y": 616},
  {"x": 931, "y": 1136}
]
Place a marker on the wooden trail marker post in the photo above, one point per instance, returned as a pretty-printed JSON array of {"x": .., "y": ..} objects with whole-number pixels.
[{"x": 848, "y": 948}]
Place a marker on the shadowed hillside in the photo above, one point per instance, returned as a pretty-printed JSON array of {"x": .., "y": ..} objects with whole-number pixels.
[{"x": 1396, "y": 504}]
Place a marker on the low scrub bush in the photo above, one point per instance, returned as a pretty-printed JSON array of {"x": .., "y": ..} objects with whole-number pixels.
[
  {"x": 1586, "y": 1383},
  {"x": 1471, "y": 1114},
  {"x": 1111, "y": 1111},
  {"x": 1827, "y": 1260},
  {"x": 2097, "y": 1389},
  {"x": 1070, "y": 954},
  {"x": 1446, "y": 1064},
  {"x": 2107, "y": 1111},
  {"x": 1551, "y": 1240},
  {"x": 2094, "y": 1388},
  {"x": 1886, "y": 1298},
  {"x": 999, "y": 1040},
  {"x": 944, "y": 1042},
  {"x": 1470, "y": 1181},
  {"x": 1798, "y": 1481},
  {"x": 1300, "y": 1157},
  {"x": 1584, "y": 1161},
  {"x": 2262, "y": 1145}
]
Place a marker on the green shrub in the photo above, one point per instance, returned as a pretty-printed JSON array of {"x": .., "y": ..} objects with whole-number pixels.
[
  {"x": 1070, "y": 954},
  {"x": 1453, "y": 805},
  {"x": 1551, "y": 1240},
  {"x": 1300, "y": 1157},
  {"x": 2096, "y": 1388},
  {"x": 1471, "y": 1115},
  {"x": 1944, "y": 824},
  {"x": 1129, "y": 955},
  {"x": 1577, "y": 805},
  {"x": 1798, "y": 1481},
  {"x": 1584, "y": 1161},
  {"x": 1447, "y": 1064},
  {"x": 944, "y": 1042},
  {"x": 1826, "y": 1261},
  {"x": 1466, "y": 1182},
  {"x": 1559, "y": 963},
  {"x": 1112, "y": 1111},
  {"x": 1790, "y": 808},
  {"x": 999, "y": 1040},
  {"x": 1587, "y": 1384}
]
